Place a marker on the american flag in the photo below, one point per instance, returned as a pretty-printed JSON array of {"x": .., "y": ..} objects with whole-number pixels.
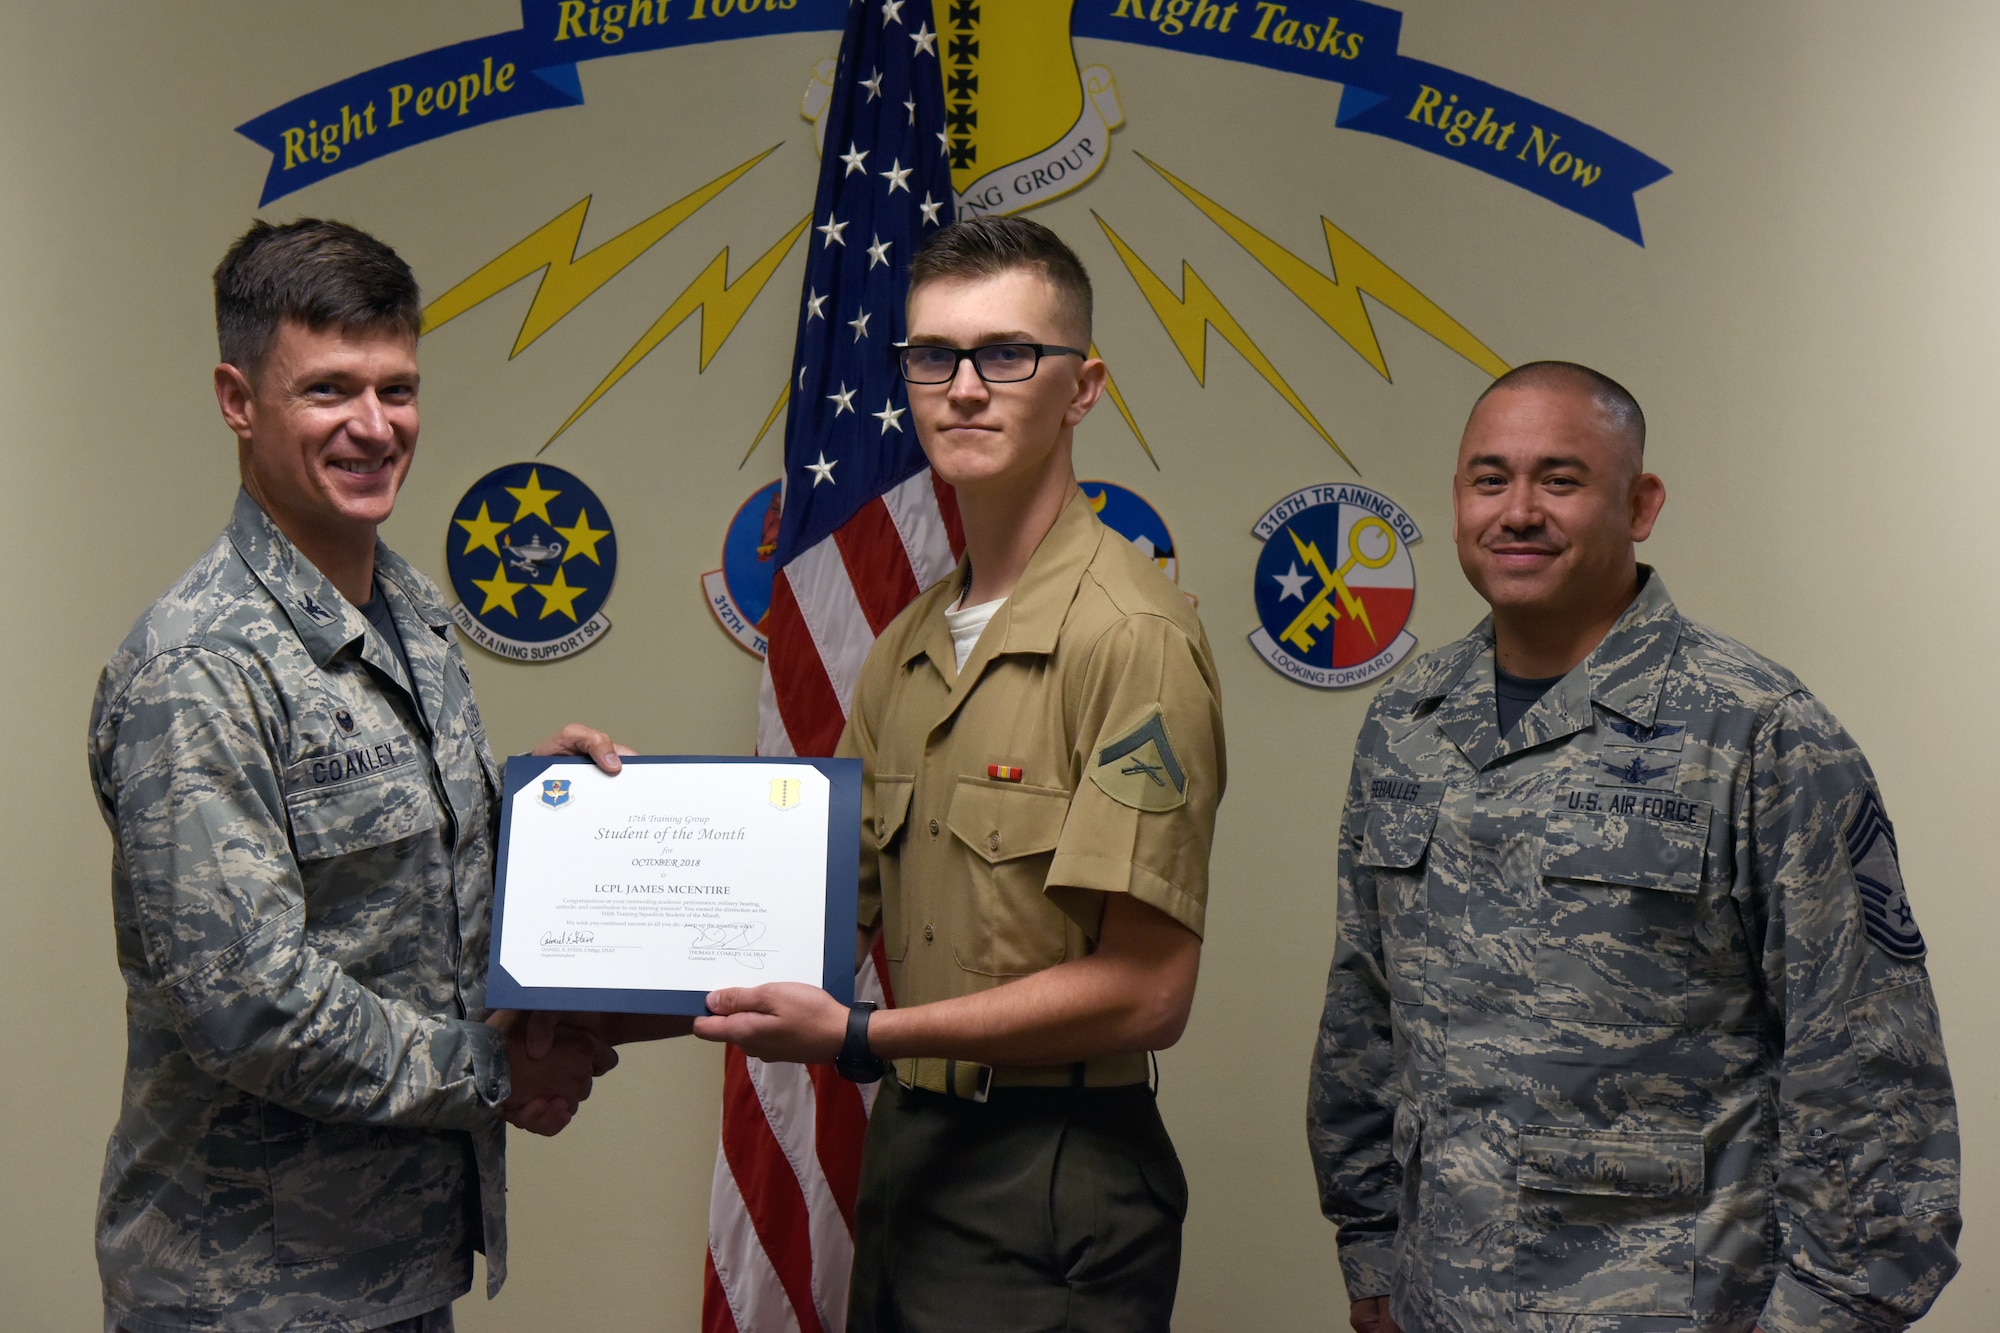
[{"x": 865, "y": 527}]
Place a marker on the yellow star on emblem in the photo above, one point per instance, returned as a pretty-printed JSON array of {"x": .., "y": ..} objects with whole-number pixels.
[
  {"x": 559, "y": 595},
  {"x": 500, "y": 590},
  {"x": 481, "y": 531},
  {"x": 583, "y": 538},
  {"x": 534, "y": 500}
]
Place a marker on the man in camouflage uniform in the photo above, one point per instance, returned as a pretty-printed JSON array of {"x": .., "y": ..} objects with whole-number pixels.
[
  {"x": 1628, "y": 1026},
  {"x": 303, "y": 809}
]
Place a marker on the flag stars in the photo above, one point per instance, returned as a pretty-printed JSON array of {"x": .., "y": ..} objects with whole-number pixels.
[
  {"x": 911, "y": 107},
  {"x": 892, "y": 10},
  {"x": 860, "y": 326},
  {"x": 815, "y": 303},
  {"x": 874, "y": 85},
  {"x": 898, "y": 176},
  {"x": 822, "y": 470},
  {"x": 926, "y": 41},
  {"x": 929, "y": 208},
  {"x": 832, "y": 229},
  {"x": 944, "y": 144},
  {"x": 890, "y": 415},
  {"x": 878, "y": 253},
  {"x": 842, "y": 401},
  {"x": 853, "y": 157}
]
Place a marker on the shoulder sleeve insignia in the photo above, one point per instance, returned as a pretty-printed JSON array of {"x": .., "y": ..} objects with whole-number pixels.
[
  {"x": 1140, "y": 768},
  {"x": 1885, "y": 910}
]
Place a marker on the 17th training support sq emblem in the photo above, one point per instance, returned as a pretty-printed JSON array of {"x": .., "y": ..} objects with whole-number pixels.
[
  {"x": 1335, "y": 584},
  {"x": 531, "y": 556}
]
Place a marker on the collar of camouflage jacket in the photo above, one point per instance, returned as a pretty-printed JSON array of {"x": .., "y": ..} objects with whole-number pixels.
[
  {"x": 1624, "y": 674},
  {"x": 325, "y": 621}
]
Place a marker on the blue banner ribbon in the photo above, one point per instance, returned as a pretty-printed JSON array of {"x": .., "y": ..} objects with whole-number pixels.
[{"x": 1350, "y": 42}]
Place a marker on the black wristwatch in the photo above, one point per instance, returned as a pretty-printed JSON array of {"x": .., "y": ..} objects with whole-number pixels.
[{"x": 856, "y": 1062}]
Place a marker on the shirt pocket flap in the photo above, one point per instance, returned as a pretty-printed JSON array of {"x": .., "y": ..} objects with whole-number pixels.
[
  {"x": 1636, "y": 851},
  {"x": 892, "y": 808},
  {"x": 354, "y": 816},
  {"x": 1003, "y": 820},
  {"x": 1631, "y": 1165},
  {"x": 1397, "y": 833}
]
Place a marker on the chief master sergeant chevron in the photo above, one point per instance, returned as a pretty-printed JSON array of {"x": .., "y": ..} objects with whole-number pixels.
[
  {"x": 303, "y": 810},
  {"x": 1628, "y": 1026}
]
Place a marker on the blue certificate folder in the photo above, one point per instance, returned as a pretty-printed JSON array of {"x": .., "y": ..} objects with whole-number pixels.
[{"x": 843, "y": 852}]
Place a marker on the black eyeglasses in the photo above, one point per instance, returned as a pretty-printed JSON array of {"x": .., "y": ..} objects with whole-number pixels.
[{"x": 996, "y": 363}]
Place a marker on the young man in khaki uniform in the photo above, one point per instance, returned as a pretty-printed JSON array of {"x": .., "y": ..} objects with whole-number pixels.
[{"x": 1041, "y": 741}]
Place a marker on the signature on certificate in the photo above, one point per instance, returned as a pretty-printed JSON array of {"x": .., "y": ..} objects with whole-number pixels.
[
  {"x": 557, "y": 938},
  {"x": 737, "y": 939}
]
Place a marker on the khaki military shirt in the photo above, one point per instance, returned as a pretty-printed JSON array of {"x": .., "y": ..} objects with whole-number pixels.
[
  {"x": 302, "y": 844},
  {"x": 1628, "y": 1026},
  {"x": 1079, "y": 753}
]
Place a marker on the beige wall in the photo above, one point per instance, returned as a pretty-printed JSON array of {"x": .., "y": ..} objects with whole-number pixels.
[{"x": 1811, "y": 328}]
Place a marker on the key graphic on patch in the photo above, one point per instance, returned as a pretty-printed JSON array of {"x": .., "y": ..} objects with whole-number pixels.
[{"x": 1320, "y": 611}]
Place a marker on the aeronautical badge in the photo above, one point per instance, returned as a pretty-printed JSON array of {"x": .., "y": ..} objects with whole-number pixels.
[
  {"x": 739, "y": 594},
  {"x": 1885, "y": 911},
  {"x": 555, "y": 792},
  {"x": 531, "y": 556},
  {"x": 1132, "y": 518},
  {"x": 1335, "y": 584},
  {"x": 1140, "y": 768}
]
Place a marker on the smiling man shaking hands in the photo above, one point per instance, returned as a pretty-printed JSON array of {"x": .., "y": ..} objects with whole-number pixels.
[
  {"x": 303, "y": 813},
  {"x": 1628, "y": 1027},
  {"x": 1041, "y": 745}
]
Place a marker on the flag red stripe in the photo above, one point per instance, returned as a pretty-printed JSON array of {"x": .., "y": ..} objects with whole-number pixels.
[
  {"x": 839, "y": 1121},
  {"x": 811, "y": 711},
  {"x": 770, "y": 1191},
  {"x": 948, "y": 506},
  {"x": 877, "y": 565},
  {"x": 715, "y": 1314}
]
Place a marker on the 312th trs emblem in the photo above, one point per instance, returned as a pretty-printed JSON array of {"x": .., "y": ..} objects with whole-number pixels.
[
  {"x": 1335, "y": 585},
  {"x": 555, "y": 793},
  {"x": 786, "y": 793}
]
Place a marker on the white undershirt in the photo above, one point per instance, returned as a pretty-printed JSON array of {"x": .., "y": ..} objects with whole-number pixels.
[{"x": 968, "y": 623}]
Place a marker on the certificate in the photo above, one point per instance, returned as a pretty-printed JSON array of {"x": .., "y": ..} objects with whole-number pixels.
[{"x": 641, "y": 893}]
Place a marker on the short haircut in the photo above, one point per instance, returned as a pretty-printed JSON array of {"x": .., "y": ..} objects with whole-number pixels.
[
  {"x": 316, "y": 273},
  {"x": 985, "y": 247},
  {"x": 1620, "y": 408}
]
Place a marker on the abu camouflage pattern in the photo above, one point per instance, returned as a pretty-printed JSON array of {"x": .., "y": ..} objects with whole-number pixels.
[
  {"x": 1610, "y": 1042},
  {"x": 301, "y": 886}
]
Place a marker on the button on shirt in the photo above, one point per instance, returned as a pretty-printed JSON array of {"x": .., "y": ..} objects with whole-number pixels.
[
  {"x": 977, "y": 878},
  {"x": 301, "y": 887}
]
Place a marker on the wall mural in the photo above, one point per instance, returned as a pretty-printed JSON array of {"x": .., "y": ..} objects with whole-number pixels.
[{"x": 1026, "y": 122}]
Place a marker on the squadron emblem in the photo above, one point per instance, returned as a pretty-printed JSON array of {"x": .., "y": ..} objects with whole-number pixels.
[
  {"x": 531, "y": 556},
  {"x": 739, "y": 593},
  {"x": 1335, "y": 584},
  {"x": 555, "y": 793},
  {"x": 1128, "y": 514}
]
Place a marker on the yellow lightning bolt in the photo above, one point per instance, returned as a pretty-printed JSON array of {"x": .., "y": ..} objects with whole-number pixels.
[
  {"x": 568, "y": 278},
  {"x": 718, "y": 301},
  {"x": 1337, "y": 302},
  {"x": 1188, "y": 318}
]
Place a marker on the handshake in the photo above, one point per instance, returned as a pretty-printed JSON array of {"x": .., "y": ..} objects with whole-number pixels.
[{"x": 553, "y": 1058}]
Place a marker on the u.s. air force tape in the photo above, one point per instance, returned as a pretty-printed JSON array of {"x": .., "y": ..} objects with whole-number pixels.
[{"x": 1140, "y": 768}]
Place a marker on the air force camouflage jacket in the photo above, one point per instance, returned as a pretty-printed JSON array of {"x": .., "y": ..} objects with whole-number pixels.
[
  {"x": 301, "y": 881},
  {"x": 1628, "y": 1026}
]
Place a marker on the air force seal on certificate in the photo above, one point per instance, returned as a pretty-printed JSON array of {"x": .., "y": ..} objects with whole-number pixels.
[
  {"x": 1335, "y": 584},
  {"x": 531, "y": 556}
]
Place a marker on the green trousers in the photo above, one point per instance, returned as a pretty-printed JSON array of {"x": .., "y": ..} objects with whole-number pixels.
[{"x": 1043, "y": 1209}]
